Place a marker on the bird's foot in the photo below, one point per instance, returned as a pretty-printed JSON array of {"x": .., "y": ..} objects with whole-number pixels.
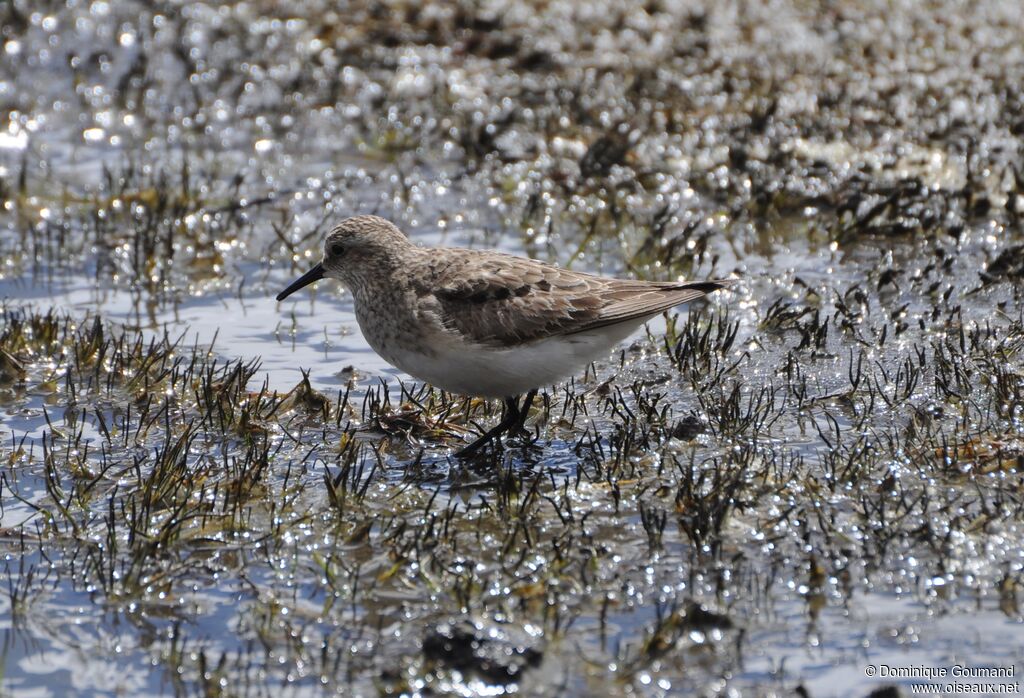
[
  {"x": 476, "y": 446},
  {"x": 520, "y": 438},
  {"x": 512, "y": 424},
  {"x": 492, "y": 435}
]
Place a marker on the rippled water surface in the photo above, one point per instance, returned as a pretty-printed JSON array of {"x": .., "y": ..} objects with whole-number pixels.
[{"x": 809, "y": 480}]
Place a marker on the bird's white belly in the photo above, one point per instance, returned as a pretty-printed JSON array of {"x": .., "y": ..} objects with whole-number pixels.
[{"x": 504, "y": 372}]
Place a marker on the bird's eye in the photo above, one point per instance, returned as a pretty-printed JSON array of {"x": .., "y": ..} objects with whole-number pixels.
[{"x": 337, "y": 250}]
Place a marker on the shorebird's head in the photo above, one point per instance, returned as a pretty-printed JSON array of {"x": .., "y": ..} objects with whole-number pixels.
[{"x": 358, "y": 247}]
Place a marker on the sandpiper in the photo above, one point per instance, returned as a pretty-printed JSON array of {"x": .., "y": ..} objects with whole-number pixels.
[{"x": 484, "y": 323}]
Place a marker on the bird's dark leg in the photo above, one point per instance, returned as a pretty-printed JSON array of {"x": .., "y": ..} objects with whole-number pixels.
[
  {"x": 524, "y": 412},
  {"x": 508, "y": 419}
]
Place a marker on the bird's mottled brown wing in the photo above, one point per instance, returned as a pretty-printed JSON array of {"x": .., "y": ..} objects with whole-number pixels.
[{"x": 497, "y": 299}]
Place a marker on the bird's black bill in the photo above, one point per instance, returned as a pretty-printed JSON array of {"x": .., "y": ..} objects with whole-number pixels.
[{"x": 314, "y": 274}]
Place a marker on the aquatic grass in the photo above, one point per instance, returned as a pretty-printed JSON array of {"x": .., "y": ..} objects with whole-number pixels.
[
  {"x": 152, "y": 226},
  {"x": 205, "y": 483},
  {"x": 843, "y": 426}
]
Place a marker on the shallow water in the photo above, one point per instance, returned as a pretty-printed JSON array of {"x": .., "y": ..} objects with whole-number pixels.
[{"x": 835, "y": 488}]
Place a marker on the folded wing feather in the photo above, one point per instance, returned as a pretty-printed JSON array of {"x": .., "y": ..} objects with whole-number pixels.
[{"x": 501, "y": 300}]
